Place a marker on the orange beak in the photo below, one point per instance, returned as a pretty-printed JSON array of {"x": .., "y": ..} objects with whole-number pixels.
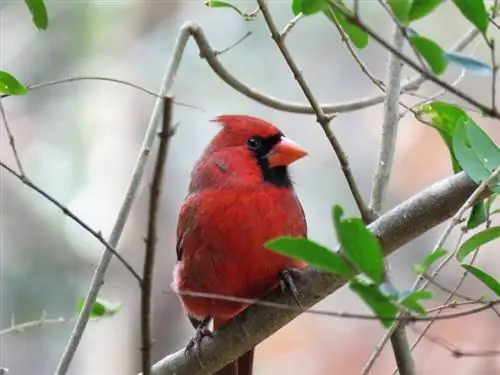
[{"x": 285, "y": 153}]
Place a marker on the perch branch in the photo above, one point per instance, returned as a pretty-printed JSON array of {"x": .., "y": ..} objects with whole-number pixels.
[{"x": 397, "y": 227}]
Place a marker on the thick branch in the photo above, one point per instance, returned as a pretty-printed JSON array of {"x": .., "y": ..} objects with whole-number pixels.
[{"x": 394, "y": 229}]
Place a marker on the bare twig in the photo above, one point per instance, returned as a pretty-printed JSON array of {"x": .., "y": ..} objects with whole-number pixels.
[
  {"x": 290, "y": 25},
  {"x": 378, "y": 82},
  {"x": 235, "y": 44},
  {"x": 395, "y": 228},
  {"x": 321, "y": 117},
  {"x": 151, "y": 238},
  {"x": 332, "y": 314},
  {"x": 454, "y": 351},
  {"x": 42, "y": 322},
  {"x": 494, "y": 66},
  {"x": 12, "y": 141},
  {"x": 86, "y": 78},
  {"x": 97, "y": 235}
]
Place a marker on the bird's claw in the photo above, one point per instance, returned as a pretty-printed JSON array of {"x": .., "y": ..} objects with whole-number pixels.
[
  {"x": 194, "y": 344},
  {"x": 287, "y": 282}
]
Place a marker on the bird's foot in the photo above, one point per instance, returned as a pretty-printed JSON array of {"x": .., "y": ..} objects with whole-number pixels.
[
  {"x": 194, "y": 344},
  {"x": 287, "y": 282}
]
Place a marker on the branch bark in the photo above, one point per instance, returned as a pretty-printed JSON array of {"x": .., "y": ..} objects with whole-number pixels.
[
  {"x": 151, "y": 238},
  {"x": 394, "y": 229},
  {"x": 399, "y": 340}
]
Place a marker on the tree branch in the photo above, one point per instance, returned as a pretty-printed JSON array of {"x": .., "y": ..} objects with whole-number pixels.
[
  {"x": 394, "y": 229},
  {"x": 208, "y": 53},
  {"x": 399, "y": 340},
  {"x": 12, "y": 141},
  {"x": 151, "y": 238},
  {"x": 389, "y": 126}
]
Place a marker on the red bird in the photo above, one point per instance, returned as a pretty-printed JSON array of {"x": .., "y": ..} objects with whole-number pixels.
[{"x": 240, "y": 196}]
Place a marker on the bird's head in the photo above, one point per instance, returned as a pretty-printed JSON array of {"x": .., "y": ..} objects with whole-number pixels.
[{"x": 261, "y": 142}]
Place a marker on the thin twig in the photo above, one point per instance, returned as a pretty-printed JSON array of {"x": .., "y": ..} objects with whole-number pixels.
[
  {"x": 454, "y": 351},
  {"x": 12, "y": 141},
  {"x": 290, "y": 25},
  {"x": 348, "y": 315},
  {"x": 97, "y": 235},
  {"x": 42, "y": 322},
  {"x": 322, "y": 119},
  {"x": 151, "y": 238},
  {"x": 377, "y": 81},
  {"x": 236, "y": 43},
  {"x": 494, "y": 66},
  {"x": 99, "y": 78}
]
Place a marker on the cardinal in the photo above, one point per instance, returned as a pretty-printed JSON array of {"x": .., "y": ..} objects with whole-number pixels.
[{"x": 240, "y": 196}]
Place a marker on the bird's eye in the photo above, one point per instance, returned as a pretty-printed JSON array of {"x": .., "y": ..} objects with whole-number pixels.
[{"x": 254, "y": 143}]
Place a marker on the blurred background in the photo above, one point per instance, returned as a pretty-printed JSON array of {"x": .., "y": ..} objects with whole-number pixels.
[{"x": 79, "y": 142}]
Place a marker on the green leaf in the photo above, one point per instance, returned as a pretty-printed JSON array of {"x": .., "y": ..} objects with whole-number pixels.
[
  {"x": 100, "y": 309},
  {"x": 410, "y": 300},
  {"x": 466, "y": 157},
  {"x": 476, "y": 241},
  {"x": 312, "y": 253},
  {"x": 357, "y": 35},
  {"x": 487, "y": 152},
  {"x": 359, "y": 245},
  {"x": 429, "y": 260},
  {"x": 378, "y": 302},
  {"x": 432, "y": 53},
  {"x": 475, "y": 12},
  {"x": 421, "y": 8},
  {"x": 478, "y": 215},
  {"x": 225, "y": 4},
  {"x": 309, "y": 7},
  {"x": 11, "y": 86},
  {"x": 38, "y": 13},
  {"x": 401, "y": 10},
  {"x": 444, "y": 118},
  {"x": 469, "y": 63},
  {"x": 484, "y": 277}
]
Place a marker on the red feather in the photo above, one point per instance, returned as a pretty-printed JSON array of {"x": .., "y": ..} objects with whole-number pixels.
[{"x": 230, "y": 212}]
